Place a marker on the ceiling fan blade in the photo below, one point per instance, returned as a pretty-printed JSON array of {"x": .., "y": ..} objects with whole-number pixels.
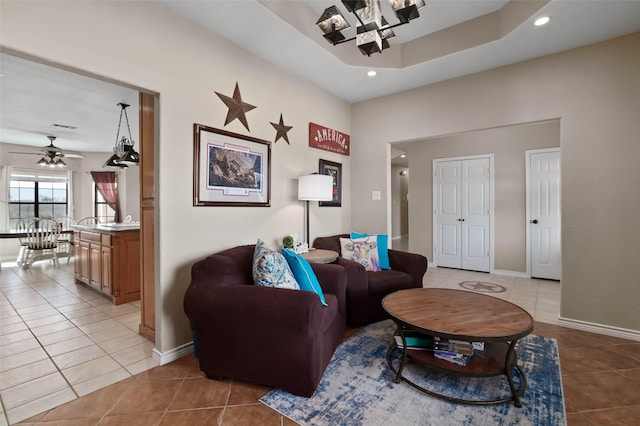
[
  {"x": 71, "y": 155},
  {"x": 28, "y": 153}
]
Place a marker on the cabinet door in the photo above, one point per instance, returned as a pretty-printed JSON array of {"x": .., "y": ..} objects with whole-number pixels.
[
  {"x": 96, "y": 267},
  {"x": 82, "y": 259},
  {"x": 106, "y": 269}
]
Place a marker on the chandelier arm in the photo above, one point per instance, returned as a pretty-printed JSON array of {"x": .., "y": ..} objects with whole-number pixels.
[
  {"x": 119, "y": 123},
  {"x": 128, "y": 128},
  {"x": 344, "y": 41},
  {"x": 358, "y": 18},
  {"x": 388, "y": 27}
]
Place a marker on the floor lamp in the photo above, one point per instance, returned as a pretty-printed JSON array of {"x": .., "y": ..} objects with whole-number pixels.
[{"x": 314, "y": 187}]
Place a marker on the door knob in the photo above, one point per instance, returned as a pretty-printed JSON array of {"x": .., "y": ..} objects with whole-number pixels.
[{"x": 534, "y": 221}]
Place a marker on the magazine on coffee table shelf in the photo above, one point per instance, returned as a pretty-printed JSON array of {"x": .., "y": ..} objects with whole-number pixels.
[{"x": 414, "y": 340}]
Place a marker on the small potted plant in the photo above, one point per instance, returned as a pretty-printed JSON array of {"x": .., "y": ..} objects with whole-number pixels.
[{"x": 288, "y": 241}]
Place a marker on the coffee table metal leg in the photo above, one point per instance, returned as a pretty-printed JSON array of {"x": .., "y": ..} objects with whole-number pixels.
[
  {"x": 508, "y": 367},
  {"x": 403, "y": 359}
]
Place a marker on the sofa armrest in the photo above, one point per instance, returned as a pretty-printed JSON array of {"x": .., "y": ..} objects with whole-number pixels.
[
  {"x": 333, "y": 280},
  {"x": 412, "y": 263}
]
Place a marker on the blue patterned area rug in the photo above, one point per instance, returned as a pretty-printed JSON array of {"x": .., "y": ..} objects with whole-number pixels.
[{"x": 358, "y": 389}]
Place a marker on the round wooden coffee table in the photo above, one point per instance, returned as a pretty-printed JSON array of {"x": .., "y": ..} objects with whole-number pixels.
[{"x": 460, "y": 315}]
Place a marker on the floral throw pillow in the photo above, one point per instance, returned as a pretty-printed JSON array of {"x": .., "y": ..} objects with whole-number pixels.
[
  {"x": 270, "y": 268},
  {"x": 362, "y": 250}
]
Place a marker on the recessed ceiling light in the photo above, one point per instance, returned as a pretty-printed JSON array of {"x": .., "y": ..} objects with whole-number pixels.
[
  {"x": 403, "y": 156},
  {"x": 541, "y": 21},
  {"x": 371, "y": 73}
]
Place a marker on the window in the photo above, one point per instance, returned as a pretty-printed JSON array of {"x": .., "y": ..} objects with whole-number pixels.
[
  {"x": 35, "y": 195},
  {"x": 101, "y": 209}
]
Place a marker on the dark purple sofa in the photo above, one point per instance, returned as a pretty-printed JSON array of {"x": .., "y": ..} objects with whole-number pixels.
[
  {"x": 365, "y": 290},
  {"x": 276, "y": 337}
]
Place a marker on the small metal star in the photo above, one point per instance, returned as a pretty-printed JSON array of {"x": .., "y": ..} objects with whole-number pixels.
[
  {"x": 237, "y": 108},
  {"x": 281, "y": 130}
]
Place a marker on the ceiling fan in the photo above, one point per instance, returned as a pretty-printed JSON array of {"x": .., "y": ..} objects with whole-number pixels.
[{"x": 52, "y": 155}]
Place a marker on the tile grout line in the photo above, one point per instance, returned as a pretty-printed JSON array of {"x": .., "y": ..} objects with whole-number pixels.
[
  {"x": 117, "y": 401},
  {"x": 89, "y": 302},
  {"x": 173, "y": 398},
  {"x": 41, "y": 346},
  {"x": 226, "y": 402},
  {"x": 52, "y": 279}
]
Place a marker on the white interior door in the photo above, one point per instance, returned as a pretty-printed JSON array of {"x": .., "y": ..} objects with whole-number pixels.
[
  {"x": 475, "y": 214},
  {"x": 545, "y": 215},
  {"x": 448, "y": 214},
  {"x": 462, "y": 214}
]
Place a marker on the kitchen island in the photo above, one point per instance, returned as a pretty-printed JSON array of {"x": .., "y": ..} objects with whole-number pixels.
[{"x": 107, "y": 258}]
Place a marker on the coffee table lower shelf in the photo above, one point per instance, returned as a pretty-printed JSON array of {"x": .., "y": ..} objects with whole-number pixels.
[{"x": 497, "y": 359}]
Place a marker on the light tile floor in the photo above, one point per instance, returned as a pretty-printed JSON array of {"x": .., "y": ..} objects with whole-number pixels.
[
  {"x": 541, "y": 298},
  {"x": 60, "y": 341}
]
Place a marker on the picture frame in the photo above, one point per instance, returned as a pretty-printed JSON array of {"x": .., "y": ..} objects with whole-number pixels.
[
  {"x": 335, "y": 170},
  {"x": 230, "y": 169}
]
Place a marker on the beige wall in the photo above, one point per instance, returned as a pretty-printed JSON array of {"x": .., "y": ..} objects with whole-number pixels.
[
  {"x": 142, "y": 44},
  {"x": 508, "y": 144},
  {"x": 594, "y": 91}
]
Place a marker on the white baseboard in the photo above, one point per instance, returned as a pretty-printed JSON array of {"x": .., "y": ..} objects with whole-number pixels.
[
  {"x": 172, "y": 354},
  {"x": 510, "y": 273},
  {"x": 607, "y": 330}
]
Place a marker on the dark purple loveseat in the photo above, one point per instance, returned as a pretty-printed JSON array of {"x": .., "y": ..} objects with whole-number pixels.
[
  {"x": 276, "y": 337},
  {"x": 365, "y": 290}
]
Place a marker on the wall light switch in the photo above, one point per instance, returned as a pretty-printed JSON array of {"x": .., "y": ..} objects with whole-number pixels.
[{"x": 376, "y": 196}]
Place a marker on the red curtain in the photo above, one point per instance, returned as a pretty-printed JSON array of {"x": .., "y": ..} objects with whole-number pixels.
[{"x": 106, "y": 183}]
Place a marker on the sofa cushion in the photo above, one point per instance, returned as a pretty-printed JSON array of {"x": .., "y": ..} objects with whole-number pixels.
[
  {"x": 270, "y": 268},
  {"x": 383, "y": 247},
  {"x": 303, "y": 273},
  {"x": 388, "y": 281},
  {"x": 362, "y": 250}
]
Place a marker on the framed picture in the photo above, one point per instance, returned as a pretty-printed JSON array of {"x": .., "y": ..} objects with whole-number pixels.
[
  {"x": 334, "y": 170},
  {"x": 230, "y": 169}
]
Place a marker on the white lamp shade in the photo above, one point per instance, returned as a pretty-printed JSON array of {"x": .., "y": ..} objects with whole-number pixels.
[{"x": 315, "y": 188}]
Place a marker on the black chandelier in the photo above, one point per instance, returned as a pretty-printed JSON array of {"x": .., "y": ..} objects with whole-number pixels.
[
  {"x": 372, "y": 31},
  {"x": 123, "y": 152}
]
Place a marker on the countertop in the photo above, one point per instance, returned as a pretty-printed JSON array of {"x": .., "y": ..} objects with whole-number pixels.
[{"x": 108, "y": 227}]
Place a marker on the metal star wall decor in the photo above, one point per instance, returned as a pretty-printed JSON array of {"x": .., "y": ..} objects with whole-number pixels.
[
  {"x": 281, "y": 130},
  {"x": 237, "y": 108}
]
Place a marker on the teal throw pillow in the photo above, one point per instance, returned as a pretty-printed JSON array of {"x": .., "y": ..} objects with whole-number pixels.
[
  {"x": 304, "y": 274},
  {"x": 270, "y": 269},
  {"x": 383, "y": 247}
]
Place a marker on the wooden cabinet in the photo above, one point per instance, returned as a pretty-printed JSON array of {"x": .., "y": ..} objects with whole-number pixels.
[
  {"x": 95, "y": 278},
  {"x": 109, "y": 261}
]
